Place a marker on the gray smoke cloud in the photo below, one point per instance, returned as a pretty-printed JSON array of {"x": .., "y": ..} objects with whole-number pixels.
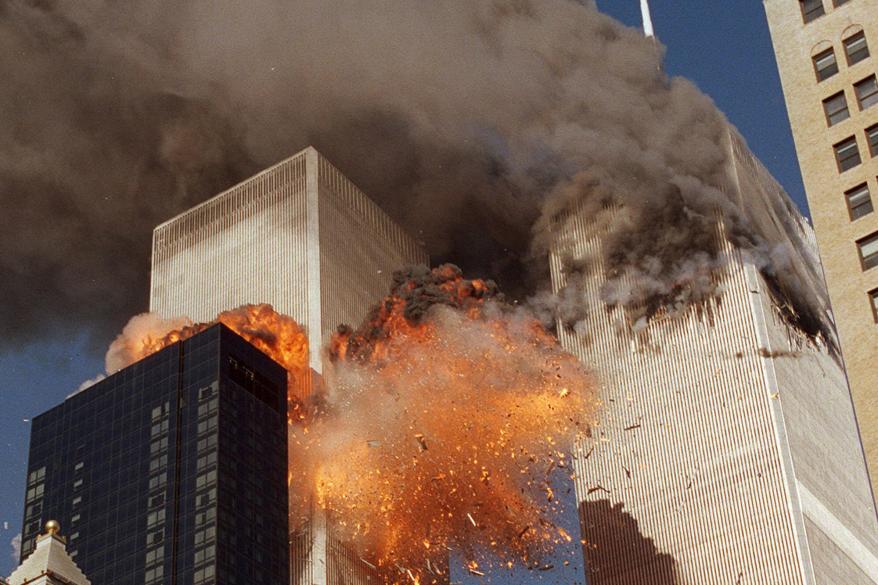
[{"x": 475, "y": 123}]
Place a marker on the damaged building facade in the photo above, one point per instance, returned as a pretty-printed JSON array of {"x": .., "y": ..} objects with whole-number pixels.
[
  {"x": 302, "y": 237},
  {"x": 727, "y": 450}
]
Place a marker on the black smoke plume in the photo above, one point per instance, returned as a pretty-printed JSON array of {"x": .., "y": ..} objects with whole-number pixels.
[{"x": 472, "y": 122}]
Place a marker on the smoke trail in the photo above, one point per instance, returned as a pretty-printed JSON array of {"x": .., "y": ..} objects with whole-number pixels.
[{"x": 474, "y": 123}]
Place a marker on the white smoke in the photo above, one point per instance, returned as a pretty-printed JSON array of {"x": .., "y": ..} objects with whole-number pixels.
[
  {"x": 141, "y": 328},
  {"x": 16, "y": 547}
]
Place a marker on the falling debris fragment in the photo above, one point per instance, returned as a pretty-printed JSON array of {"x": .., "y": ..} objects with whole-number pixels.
[
  {"x": 473, "y": 568},
  {"x": 632, "y": 427},
  {"x": 597, "y": 488},
  {"x": 422, "y": 442},
  {"x": 777, "y": 353}
]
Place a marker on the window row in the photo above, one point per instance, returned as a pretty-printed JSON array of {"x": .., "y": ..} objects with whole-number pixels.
[
  {"x": 847, "y": 152},
  {"x": 856, "y": 49},
  {"x": 836, "y": 106},
  {"x": 813, "y": 9}
]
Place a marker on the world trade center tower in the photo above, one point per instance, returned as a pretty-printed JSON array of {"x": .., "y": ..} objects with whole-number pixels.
[
  {"x": 727, "y": 450},
  {"x": 302, "y": 237}
]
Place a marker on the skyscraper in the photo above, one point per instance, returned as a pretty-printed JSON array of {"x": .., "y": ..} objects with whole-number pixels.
[
  {"x": 824, "y": 52},
  {"x": 727, "y": 449},
  {"x": 298, "y": 235},
  {"x": 172, "y": 470},
  {"x": 302, "y": 237}
]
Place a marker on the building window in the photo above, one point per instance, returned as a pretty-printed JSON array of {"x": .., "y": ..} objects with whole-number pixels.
[
  {"x": 872, "y": 139},
  {"x": 868, "y": 248},
  {"x": 836, "y": 109},
  {"x": 867, "y": 92},
  {"x": 37, "y": 475},
  {"x": 856, "y": 48},
  {"x": 825, "y": 65},
  {"x": 811, "y": 9},
  {"x": 847, "y": 155},
  {"x": 859, "y": 201},
  {"x": 873, "y": 299}
]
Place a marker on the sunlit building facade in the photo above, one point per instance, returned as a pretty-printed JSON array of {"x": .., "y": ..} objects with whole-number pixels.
[
  {"x": 825, "y": 53},
  {"x": 302, "y": 237},
  {"x": 727, "y": 449},
  {"x": 299, "y": 235}
]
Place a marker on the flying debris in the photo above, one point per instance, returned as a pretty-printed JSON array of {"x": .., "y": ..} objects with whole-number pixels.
[{"x": 479, "y": 389}]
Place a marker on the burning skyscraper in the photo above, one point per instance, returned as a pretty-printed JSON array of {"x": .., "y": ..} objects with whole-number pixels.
[
  {"x": 727, "y": 450},
  {"x": 287, "y": 237}
]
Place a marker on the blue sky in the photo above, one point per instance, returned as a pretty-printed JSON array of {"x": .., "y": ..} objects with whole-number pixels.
[{"x": 722, "y": 45}]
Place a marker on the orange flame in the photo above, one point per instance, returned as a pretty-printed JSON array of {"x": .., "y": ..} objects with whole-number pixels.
[
  {"x": 448, "y": 413},
  {"x": 276, "y": 335}
]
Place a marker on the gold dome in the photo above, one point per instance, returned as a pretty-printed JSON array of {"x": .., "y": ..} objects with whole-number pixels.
[{"x": 52, "y": 527}]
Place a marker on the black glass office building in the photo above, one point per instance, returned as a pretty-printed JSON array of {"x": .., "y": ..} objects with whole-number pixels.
[{"x": 171, "y": 471}]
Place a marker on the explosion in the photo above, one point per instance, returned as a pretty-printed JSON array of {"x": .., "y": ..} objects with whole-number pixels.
[
  {"x": 440, "y": 424},
  {"x": 276, "y": 335},
  {"x": 448, "y": 414}
]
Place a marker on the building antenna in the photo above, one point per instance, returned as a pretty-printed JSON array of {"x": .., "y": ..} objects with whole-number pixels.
[{"x": 647, "y": 19}]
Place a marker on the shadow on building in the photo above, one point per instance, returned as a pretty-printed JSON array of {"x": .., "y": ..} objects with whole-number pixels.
[{"x": 617, "y": 553}]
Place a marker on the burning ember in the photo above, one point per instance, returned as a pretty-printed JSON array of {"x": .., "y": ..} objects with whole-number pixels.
[{"x": 439, "y": 425}]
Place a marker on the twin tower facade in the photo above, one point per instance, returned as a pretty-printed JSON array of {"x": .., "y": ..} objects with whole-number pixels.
[{"x": 726, "y": 452}]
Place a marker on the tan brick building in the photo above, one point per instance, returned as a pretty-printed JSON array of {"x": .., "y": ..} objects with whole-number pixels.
[{"x": 826, "y": 54}]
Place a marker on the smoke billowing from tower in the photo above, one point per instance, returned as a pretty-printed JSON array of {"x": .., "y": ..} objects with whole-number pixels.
[{"x": 476, "y": 125}]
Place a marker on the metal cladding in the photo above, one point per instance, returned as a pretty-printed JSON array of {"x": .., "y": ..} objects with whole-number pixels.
[
  {"x": 727, "y": 450},
  {"x": 299, "y": 235},
  {"x": 302, "y": 237}
]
